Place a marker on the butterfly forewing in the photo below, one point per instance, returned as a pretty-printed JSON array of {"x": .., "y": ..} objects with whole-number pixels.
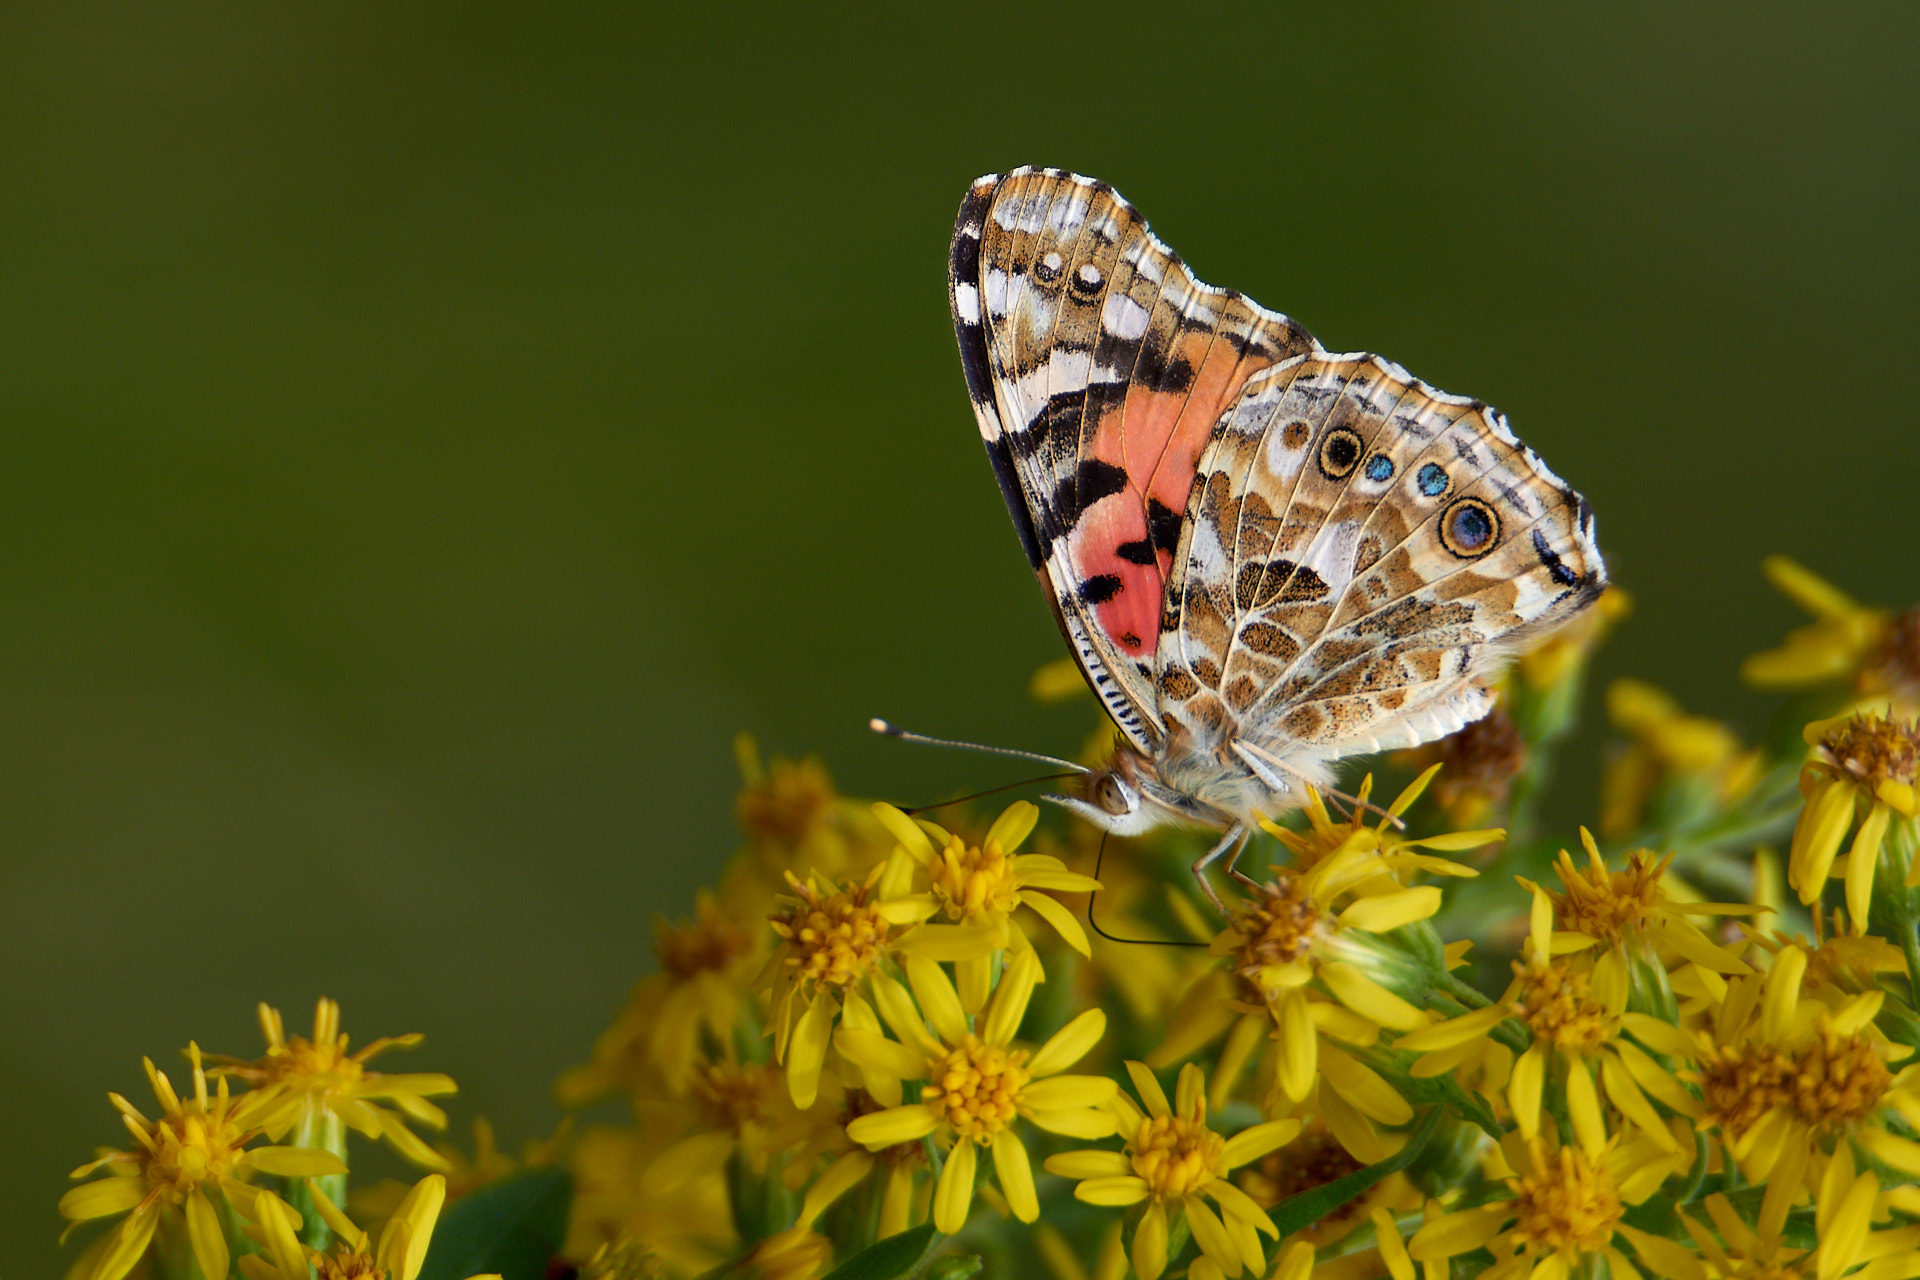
[{"x": 1099, "y": 367}]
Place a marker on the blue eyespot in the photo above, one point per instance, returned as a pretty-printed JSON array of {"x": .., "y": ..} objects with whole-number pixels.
[
  {"x": 1469, "y": 527},
  {"x": 1432, "y": 480},
  {"x": 1379, "y": 467}
]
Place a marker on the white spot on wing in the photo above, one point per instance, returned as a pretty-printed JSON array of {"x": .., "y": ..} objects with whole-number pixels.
[
  {"x": 1123, "y": 317},
  {"x": 966, "y": 303},
  {"x": 996, "y": 292},
  {"x": 1090, "y": 275}
]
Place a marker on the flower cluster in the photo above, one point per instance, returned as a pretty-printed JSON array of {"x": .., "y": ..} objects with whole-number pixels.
[{"x": 1430, "y": 1036}]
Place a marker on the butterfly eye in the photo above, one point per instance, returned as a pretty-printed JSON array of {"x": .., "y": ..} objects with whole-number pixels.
[
  {"x": 1339, "y": 452},
  {"x": 1432, "y": 479},
  {"x": 1469, "y": 528},
  {"x": 1379, "y": 468},
  {"x": 1111, "y": 796}
]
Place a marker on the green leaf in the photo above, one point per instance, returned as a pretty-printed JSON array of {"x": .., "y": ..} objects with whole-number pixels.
[
  {"x": 514, "y": 1227},
  {"x": 1309, "y": 1207},
  {"x": 891, "y": 1259}
]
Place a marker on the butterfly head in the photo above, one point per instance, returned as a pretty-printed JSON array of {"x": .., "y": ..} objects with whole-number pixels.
[{"x": 1128, "y": 798}]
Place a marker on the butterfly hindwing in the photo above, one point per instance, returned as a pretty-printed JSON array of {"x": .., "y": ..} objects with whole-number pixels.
[{"x": 1099, "y": 368}]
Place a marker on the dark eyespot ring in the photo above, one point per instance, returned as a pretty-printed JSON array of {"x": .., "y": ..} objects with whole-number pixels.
[
  {"x": 1469, "y": 528},
  {"x": 1432, "y": 480},
  {"x": 1379, "y": 467},
  {"x": 1340, "y": 452}
]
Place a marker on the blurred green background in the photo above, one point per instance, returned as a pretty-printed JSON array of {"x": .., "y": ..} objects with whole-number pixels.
[{"x": 427, "y": 434}]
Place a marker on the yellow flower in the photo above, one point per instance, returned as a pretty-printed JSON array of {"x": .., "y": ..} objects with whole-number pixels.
[
  {"x": 674, "y": 1017},
  {"x": 401, "y": 1252},
  {"x": 978, "y": 1083},
  {"x": 1785, "y": 1079},
  {"x": 1176, "y": 1164},
  {"x": 1574, "y": 1008},
  {"x": 1313, "y": 1159},
  {"x": 1865, "y": 765},
  {"x": 330, "y": 1083},
  {"x": 794, "y": 821},
  {"x": 1666, "y": 747},
  {"x": 1876, "y": 652},
  {"x": 183, "y": 1162},
  {"x": 1845, "y": 1205},
  {"x": 690, "y": 1226},
  {"x": 1622, "y": 908},
  {"x": 1563, "y": 1209},
  {"x": 830, "y": 940},
  {"x": 983, "y": 885},
  {"x": 622, "y": 1258}
]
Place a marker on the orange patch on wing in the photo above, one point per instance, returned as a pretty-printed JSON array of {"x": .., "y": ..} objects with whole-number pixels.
[{"x": 1155, "y": 437}]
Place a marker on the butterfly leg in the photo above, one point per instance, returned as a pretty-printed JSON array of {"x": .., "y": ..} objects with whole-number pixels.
[{"x": 1229, "y": 847}]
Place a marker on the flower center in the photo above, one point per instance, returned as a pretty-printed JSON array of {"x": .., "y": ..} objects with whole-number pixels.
[
  {"x": 1280, "y": 925},
  {"x": 1837, "y": 1079},
  {"x": 1742, "y": 1084},
  {"x": 782, "y": 807},
  {"x": 1571, "y": 1206},
  {"x": 191, "y": 1148},
  {"x": 1553, "y": 1003},
  {"x": 1312, "y": 1160},
  {"x": 731, "y": 1095},
  {"x": 974, "y": 880},
  {"x": 1871, "y": 749},
  {"x": 347, "y": 1264},
  {"x": 1177, "y": 1155},
  {"x": 1605, "y": 904},
  {"x": 1481, "y": 759},
  {"x": 975, "y": 1086},
  {"x": 708, "y": 944},
  {"x": 834, "y": 939}
]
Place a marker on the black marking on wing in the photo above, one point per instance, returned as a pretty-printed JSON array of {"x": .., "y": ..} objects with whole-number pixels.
[
  {"x": 1100, "y": 588},
  {"x": 1139, "y": 551},
  {"x": 1560, "y": 572},
  {"x": 1091, "y": 481}
]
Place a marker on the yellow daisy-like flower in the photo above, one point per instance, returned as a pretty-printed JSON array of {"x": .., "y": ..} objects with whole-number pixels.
[
  {"x": 1845, "y": 1206},
  {"x": 978, "y": 1083},
  {"x": 1632, "y": 906},
  {"x": 400, "y": 1254},
  {"x": 1176, "y": 1164},
  {"x": 830, "y": 940},
  {"x": 185, "y": 1161},
  {"x": 1866, "y": 766},
  {"x": 1874, "y": 651},
  {"x": 984, "y": 884},
  {"x": 1574, "y": 1009},
  {"x": 1564, "y": 1208},
  {"x": 333, "y": 1085},
  {"x": 1665, "y": 745},
  {"x": 1313, "y": 1159},
  {"x": 1784, "y": 1077}
]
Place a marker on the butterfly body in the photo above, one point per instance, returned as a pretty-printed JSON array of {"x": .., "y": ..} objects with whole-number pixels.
[{"x": 1264, "y": 555}]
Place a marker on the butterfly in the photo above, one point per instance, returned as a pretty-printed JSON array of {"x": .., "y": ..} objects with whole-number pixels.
[{"x": 1264, "y": 555}]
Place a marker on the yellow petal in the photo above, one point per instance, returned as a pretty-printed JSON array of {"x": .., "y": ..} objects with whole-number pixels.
[
  {"x": 1364, "y": 1088},
  {"x": 1150, "y": 1244},
  {"x": 1523, "y": 1090},
  {"x": 1383, "y": 912},
  {"x": 1112, "y": 1190},
  {"x": 1783, "y": 992},
  {"x": 1075, "y": 1122},
  {"x": 1393, "y": 1250},
  {"x": 130, "y": 1240},
  {"x": 1299, "y": 1046},
  {"x": 205, "y": 1234},
  {"x": 1063, "y": 921},
  {"x": 1807, "y": 589},
  {"x": 1458, "y": 1232},
  {"x": 294, "y": 1162},
  {"x": 102, "y": 1199},
  {"x": 871, "y": 1051},
  {"x": 1840, "y": 1244},
  {"x": 1666, "y": 1257},
  {"x": 906, "y": 831},
  {"x": 402, "y": 1251},
  {"x": 1661, "y": 1037},
  {"x": 1011, "y": 996},
  {"x": 841, "y": 1177},
  {"x": 1296, "y": 1263},
  {"x": 1013, "y": 825},
  {"x": 1069, "y": 1044},
  {"x": 1211, "y": 1235},
  {"x": 1583, "y": 1107},
  {"x": 938, "y": 1000},
  {"x": 1862, "y": 858},
  {"x": 1454, "y": 1031},
  {"x": 1625, "y": 1094},
  {"x": 1088, "y": 1164},
  {"x": 337, "y": 1222},
  {"x": 1151, "y": 1094},
  {"x": 807, "y": 1050},
  {"x": 1368, "y": 998},
  {"x": 1257, "y": 1140},
  {"x": 895, "y": 1125},
  {"x": 954, "y": 942},
  {"x": 1015, "y": 1172},
  {"x": 1059, "y": 1092},
  {"x": 954, "y": 1196}
]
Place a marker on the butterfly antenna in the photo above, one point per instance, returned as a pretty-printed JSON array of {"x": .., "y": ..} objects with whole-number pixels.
[
  {"x": 894, "y": 731},
  {"x": 991, "y": 791},
  {"x": 1099, "y": 859}
]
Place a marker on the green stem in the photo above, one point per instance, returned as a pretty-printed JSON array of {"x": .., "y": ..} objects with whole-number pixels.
[
  {"x": 1910, "y": 947},
  {"x": 1699, "y": 1177},
  {"x": 1465, "y": 992},
  {"x": 319, "y": 1130}
]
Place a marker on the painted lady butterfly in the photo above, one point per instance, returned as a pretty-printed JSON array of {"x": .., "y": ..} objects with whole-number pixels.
[{"x": 1264, "y": 555}]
